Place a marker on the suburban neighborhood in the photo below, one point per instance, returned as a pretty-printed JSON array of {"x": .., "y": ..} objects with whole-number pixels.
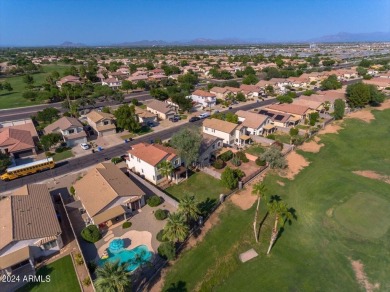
[{"x": 203, "y": 165}]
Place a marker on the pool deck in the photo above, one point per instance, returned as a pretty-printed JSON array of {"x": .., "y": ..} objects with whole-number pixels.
[{"x": 132, "y": 239}]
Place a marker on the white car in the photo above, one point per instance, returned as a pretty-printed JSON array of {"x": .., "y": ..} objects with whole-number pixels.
[{"x": 84, "y": 146}]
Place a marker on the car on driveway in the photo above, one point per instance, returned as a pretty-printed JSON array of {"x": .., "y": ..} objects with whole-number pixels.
[
  {"x": 84, "y": 146},
  {"x": 174, "y": 119},
  {"x": 194, "y": 119}
]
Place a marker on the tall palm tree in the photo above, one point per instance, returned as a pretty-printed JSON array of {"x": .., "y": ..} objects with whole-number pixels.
[
  {"x": 165, "y": 168},
  {"x": 176, "y": 228},
  {"x": 188, "y": 206},
  {"x": 113, "y": 276},
  {"x": 280, "y": 210},
  {"x": 258, "y": 190}
]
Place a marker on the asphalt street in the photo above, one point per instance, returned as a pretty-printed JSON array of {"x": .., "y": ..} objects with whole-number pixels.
[{"x": 77, "y": 164}]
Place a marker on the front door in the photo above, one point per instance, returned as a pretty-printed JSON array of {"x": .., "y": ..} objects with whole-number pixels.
[{"x": 135, "y": 205}]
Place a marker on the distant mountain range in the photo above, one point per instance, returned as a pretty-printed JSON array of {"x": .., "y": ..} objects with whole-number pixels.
[{"x": 341, "y": 37}]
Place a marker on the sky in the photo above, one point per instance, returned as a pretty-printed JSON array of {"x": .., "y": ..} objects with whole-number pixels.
[{"x": 98, "y": 22}]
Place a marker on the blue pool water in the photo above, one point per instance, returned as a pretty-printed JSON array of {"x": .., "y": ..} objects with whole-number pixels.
[{"x": 135, "y": 257}]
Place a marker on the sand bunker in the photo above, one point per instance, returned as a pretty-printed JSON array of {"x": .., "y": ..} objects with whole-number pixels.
[
  {"x": 364, "y": 115},
  {"x": 244, "y": 198},
  {"x": 330, "y": 129},
  {"x": 361, "y": 276},
  {"x": 373, "y": 175},
  {"x": 311, "y": 146},
  {"x": 295, "y": 164}
]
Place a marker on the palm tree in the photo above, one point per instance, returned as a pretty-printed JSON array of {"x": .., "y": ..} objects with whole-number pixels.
[
  {"x": 176, "y": 228},
  {"x": 258, "y": 190},
  {"x": 113, "y": 276},
  {"x": 188, "y": 206},
  {"x": 280, "y": 210},
  {"x": 165, "y": 168}
]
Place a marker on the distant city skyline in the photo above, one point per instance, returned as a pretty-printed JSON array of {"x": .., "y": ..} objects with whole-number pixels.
[{"x": 41, "y": 23}]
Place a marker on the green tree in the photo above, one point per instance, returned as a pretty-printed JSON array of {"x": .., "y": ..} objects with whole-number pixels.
[
  {"x": 106, "y": 110},
  {"x": 167, "y": 250},
  {"x": 165, "y": 168},
  {"x": 365, "y": 63},
  {"x": 294, "y": 131},
  {"x": 331, "y": 83},
  {"x": 279, "y": 62},
  {"x": 376, "y": 97},
  {"x": 274, "y": 157},
  {"x": 176, "y": 229},
  {"x": 31, "y": 95},
  {"x": 249, "y": 70},
  {"x": 259, "y": 190},
  {"x": 229, "y": 178},
  {"x": 48, "y": 114},
  {"x": 240, "y": 97},
  {"x": 188, "y": 206},
  {"x": 6, "y": 86},
  {"x": 361, "y": 71},
  {"x": 50, "y": 140},
  {"x": 250, "y": 79},
  {"x": 159, "y": 93},
  {"x": 313, "y": 118},
  {"x": 5, "y": 161},
  {"x": 113, "y": 276},
  {"x": 339, "y": 109},
  {"x": 127, "y": 85},
  {"x": 269, "y": 89},
  {"x": 126, "y": 118},
  {"x": 28, "y": 79},
  {"x": 281, "y": 211},
  {"x": 187, "y": 141},
  {"x": 358, "y": 94}
]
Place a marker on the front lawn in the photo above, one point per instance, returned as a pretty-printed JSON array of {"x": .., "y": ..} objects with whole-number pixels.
[
  {"x": 63, "y": 155},
  {"x": 142, "y": 131},
  {"x": 203, "y": 186},
  {"x": 342, "y": 219},
  {"x": 62, "y": 277}
]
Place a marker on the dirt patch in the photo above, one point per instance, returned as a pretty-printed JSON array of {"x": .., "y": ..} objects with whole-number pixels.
[
  {"x": 365, "y": 115},
  {"x": 361, "y": 276},
  {"x": 244, "y": 198},
  {"x": 280, "y": 183},
  {"x": 295, "y": 164},
  {"x": 311, "y": 146},
  {"x": 317, "y": 139},
  {"x": 373, "y": 175},
  {"x": 330, "y": 129},
  {"x": 384, "y": 105}
]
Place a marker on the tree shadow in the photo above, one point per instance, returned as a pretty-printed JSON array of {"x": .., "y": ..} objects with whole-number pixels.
[
  {"x": 289, "y": 221},
  {"x": 205, "y": 207},
  {"x": 261, "y": 224},
  {"x": 8, "y": 93},
  {"x": 179, "y": 286}
]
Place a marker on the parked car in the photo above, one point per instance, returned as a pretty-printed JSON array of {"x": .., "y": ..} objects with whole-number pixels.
[
  {"x": 84, "y": 146},
  {"x": 194, "y": 119},
  {"x": 174, "y": 119},
  {"x": 150, "y": 124},
  {"x": 204, "y": 115}
]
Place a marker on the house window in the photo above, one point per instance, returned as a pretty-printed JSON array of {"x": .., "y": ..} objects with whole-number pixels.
[
  {"x": 159, "y": 177},
  {"x": 213, "y": 146},
  {"x": 219, "y": 144},
  {"x": 206, "y": 128},
  {"x": 50, "y": 245},
  {"x": 213, "y": 130},
  {"x": 176, "y": 162},
  {"x": 71, "y": 131},
  {"x": 142, "y": 170},
  {"x": 154, "y": 178},
  {"x": 138, "y": 160},
  {"x": 132, "y": 157},
  {"x": 105, "y": 123}
]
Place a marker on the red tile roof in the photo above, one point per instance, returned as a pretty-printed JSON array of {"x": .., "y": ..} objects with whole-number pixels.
[{"x": 16, "y": 140}]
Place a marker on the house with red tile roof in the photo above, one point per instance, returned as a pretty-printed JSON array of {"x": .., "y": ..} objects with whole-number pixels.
[
  {"x": 69, "y": 80},
  {"x": 206, "y": 99},
  {"x": 144, "y": 159},
  {"x": 17, "y": 143},
  {"x": 297, "y": 111}
]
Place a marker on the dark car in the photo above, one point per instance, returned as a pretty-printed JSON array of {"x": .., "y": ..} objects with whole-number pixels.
[
  {"x": 194, "y": 119},
  {"x": 174, "y": 119}
]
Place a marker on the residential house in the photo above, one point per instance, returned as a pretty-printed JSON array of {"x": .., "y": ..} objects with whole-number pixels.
[
  {"x": 29, "y": 229},
  {"x": 102, "y": 123},
  {"x": 17, "y": 143},
  {"x": 380, "y": 83},
  {"x": 298, "y": 112},
  {"x": 135, "y": 79},
  {"x": 208, "y": 147},
  {"x": 163, "y": 110},
  {"x": 71, "y": 129},
  {"x": 108, "y": 195},
  {"x": 384, "y": 74},
  {"x": 73, "y": 80},
  {"x": 113, "y": 83},
  {"x": 158, "y": 77},
  {"x": 144, "y": 159},
  {"x": 206, "y": 99},
  {"x": 255, "y": 124},
  {"x": 230, "y": 133},
  {"x": 312, "y": 104},
  {"x": 219, "y": 92},
  {"x": 145, "y": 117},
  {"x": 250, "y": 91}
]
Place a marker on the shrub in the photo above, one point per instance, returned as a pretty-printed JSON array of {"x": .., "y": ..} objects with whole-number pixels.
[
  {"x": 154, "y": 201},
  {"x": 91, "y": 266},
  {"x": 241, "y": 155},
  {"x": 72, "y": 190},
  {"x": 159, "y": 236},
  {"x": 167, "y": 250},
  {"x": 239, "y": 173},
  {"x": 126, "y": 224},
  {"x": 86, "y": 281},
  {"x": 91, "y": 233},
  {"x": 160, "y": 214},
  {"x": 235, "y": 161},
  {"x": 294, "y": 131},
  {"x": 278, "y": 145},
  {"x": 116, "y": 160},
  {"x": 226, "y": 156},
  {"x": 61, "y": 149},
  {"x": 49, "y": 154},
  {"x": 78, "y": 259},
  {"x": 260, "y": 162},
  {"x": 219, "y": 164},
  {"x": 271, "y": 136}
]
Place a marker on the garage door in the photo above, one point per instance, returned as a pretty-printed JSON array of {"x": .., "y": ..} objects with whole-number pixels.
[{"x": 75, "y": 142}]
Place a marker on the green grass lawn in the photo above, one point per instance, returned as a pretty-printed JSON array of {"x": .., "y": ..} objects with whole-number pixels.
[
  {"x": 62, "y": 277},
  {"x": 14, "y": 98},
  {"x": 63, "y": 155},
  {"x": 342, "y": 217},
  {"x": 203, "y": 186},
  {"x": 144, "y": 130},
  {"x": 255, "y": 150},
  {"x": 283, "y": 138}
]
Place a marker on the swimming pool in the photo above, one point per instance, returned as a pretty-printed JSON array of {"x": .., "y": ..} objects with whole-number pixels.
[{"x": 135, "y": 257}]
